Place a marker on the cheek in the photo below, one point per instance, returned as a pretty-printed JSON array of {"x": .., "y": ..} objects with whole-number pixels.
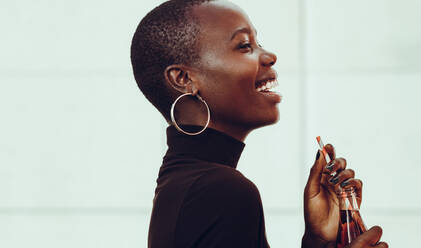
[
  {"x": 228, "y": 84},
  {"x": 227, "y": 73},
  {"x": 229, "y": 87}
]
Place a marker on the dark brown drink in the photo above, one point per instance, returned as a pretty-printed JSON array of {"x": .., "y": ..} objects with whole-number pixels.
[
  {"x": 350, "y": 227},
  {"x": 351, "y": 224}
]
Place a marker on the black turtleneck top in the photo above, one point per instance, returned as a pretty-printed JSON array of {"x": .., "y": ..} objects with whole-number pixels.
[{"x": 201, "y": 200}]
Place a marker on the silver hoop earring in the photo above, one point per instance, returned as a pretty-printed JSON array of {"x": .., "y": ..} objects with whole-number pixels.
[{"x": 175, "y": 122}]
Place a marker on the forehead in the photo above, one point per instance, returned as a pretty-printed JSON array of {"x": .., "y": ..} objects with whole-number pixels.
[{"x": 221, "y": 18}]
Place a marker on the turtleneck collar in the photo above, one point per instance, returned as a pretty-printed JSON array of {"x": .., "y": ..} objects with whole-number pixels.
[{"x": 211, "y": 145}]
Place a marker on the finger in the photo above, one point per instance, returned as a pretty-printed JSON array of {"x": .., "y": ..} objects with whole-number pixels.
[
  {"x": 382, "y": 245},
  {"x": 335, "y": 166},
  {"x": 330, "y": 149},
  {"x": 313, "y": 183},
  {"x": 342, "y": 176},
  {"x": 369, "y": 238},
  {"x": 357, "y": 184},
  {"x": 331, "y": 245}
]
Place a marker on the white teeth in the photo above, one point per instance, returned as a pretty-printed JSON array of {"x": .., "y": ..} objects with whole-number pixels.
[{"x": 268, "y": 85}]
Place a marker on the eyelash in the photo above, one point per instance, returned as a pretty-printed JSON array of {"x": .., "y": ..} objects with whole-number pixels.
[
  {"x": 248, "y": 45},
  {"x": 245, "y": 45}
]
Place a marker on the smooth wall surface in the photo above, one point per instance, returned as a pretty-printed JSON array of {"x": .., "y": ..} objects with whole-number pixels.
[{"x": 80, "y": 147}]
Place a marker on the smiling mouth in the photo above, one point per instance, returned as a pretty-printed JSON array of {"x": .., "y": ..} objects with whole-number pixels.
[{"x": 266, "y": 85}]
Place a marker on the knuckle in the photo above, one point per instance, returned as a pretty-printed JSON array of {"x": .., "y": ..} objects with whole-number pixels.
[
  {"x": 342, "y": 162},
  {"x": 377, "y": 229},
  {"x": 313, "y": 169},
  {"x": 384, "y": 244}
]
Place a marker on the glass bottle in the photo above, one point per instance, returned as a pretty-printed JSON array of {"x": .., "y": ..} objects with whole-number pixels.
[{"x": 351, "y": 224}]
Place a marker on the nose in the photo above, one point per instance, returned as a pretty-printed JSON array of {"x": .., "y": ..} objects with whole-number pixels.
[{"x": 267, "y": 58}]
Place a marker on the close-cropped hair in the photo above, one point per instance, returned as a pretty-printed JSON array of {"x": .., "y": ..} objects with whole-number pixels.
[{"x": 167, "y": 35}]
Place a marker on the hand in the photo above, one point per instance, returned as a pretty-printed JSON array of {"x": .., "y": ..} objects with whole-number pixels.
[
  {"x": 321, "y": 208},
  {"x": 366, "y": 240}
]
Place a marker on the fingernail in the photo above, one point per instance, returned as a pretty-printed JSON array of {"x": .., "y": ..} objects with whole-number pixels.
[
  {"x": 330, "y": 166},
  {"x": 334, "y": 180},
  {"x": 318, "y": 155},
  {"x": 345, "y": 183}
]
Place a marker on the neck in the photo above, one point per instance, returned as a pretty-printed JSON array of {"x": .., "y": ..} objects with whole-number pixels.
[
  {"x": 191, "y": 116},
  {"x": 237, "y": 132},
  {"x": 211, "y": 145}
]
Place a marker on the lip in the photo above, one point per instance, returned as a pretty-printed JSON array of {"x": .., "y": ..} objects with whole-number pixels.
[
  {"x": 264, "y": 80},
  {"x": 272, "y": 96},
  {"x": 268, "y": 77}
]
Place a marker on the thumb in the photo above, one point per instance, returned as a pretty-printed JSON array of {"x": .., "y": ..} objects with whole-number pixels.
[
  {"x": 313, "y": 183},
  {"x": 331, "y": 245},
  {"x": 369, "y": 238}
]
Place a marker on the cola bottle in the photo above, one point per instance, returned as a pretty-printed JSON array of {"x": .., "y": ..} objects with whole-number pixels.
[{"x": 351, "y": 224}]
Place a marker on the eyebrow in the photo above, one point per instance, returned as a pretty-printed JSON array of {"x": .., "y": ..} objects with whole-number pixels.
[{"x": 242, "y": 30}]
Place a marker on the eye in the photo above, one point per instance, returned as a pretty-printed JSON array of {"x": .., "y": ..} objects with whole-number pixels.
[{"x": 245, "y": 46}]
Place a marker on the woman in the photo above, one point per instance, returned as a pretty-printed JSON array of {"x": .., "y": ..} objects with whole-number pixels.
[{"x": 199, "y": 63}]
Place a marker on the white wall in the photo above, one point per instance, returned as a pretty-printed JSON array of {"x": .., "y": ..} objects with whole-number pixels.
[{"x": 80, "y": 147}]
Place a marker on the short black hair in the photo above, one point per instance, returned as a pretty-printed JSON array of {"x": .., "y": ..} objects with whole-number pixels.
[{"x": 167, "y": 35}]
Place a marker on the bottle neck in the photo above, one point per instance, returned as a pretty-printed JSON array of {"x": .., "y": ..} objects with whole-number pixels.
[{"x": 347, "y": 199}]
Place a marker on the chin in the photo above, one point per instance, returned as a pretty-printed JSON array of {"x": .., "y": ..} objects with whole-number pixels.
[
  {"x": 272, "y": 117},
  {"x": 271, "y": 121},
  {"x": 267, "y": 120}
]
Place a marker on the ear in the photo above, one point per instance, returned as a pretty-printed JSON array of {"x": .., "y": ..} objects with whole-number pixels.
[{"x": 179, "y": 77}]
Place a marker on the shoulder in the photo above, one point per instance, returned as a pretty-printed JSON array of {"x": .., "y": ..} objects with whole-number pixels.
[
  {"x": 224, "y": 205},
  {"x": 230, "y": 180},
  {"x": 225, "y": 186}
]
